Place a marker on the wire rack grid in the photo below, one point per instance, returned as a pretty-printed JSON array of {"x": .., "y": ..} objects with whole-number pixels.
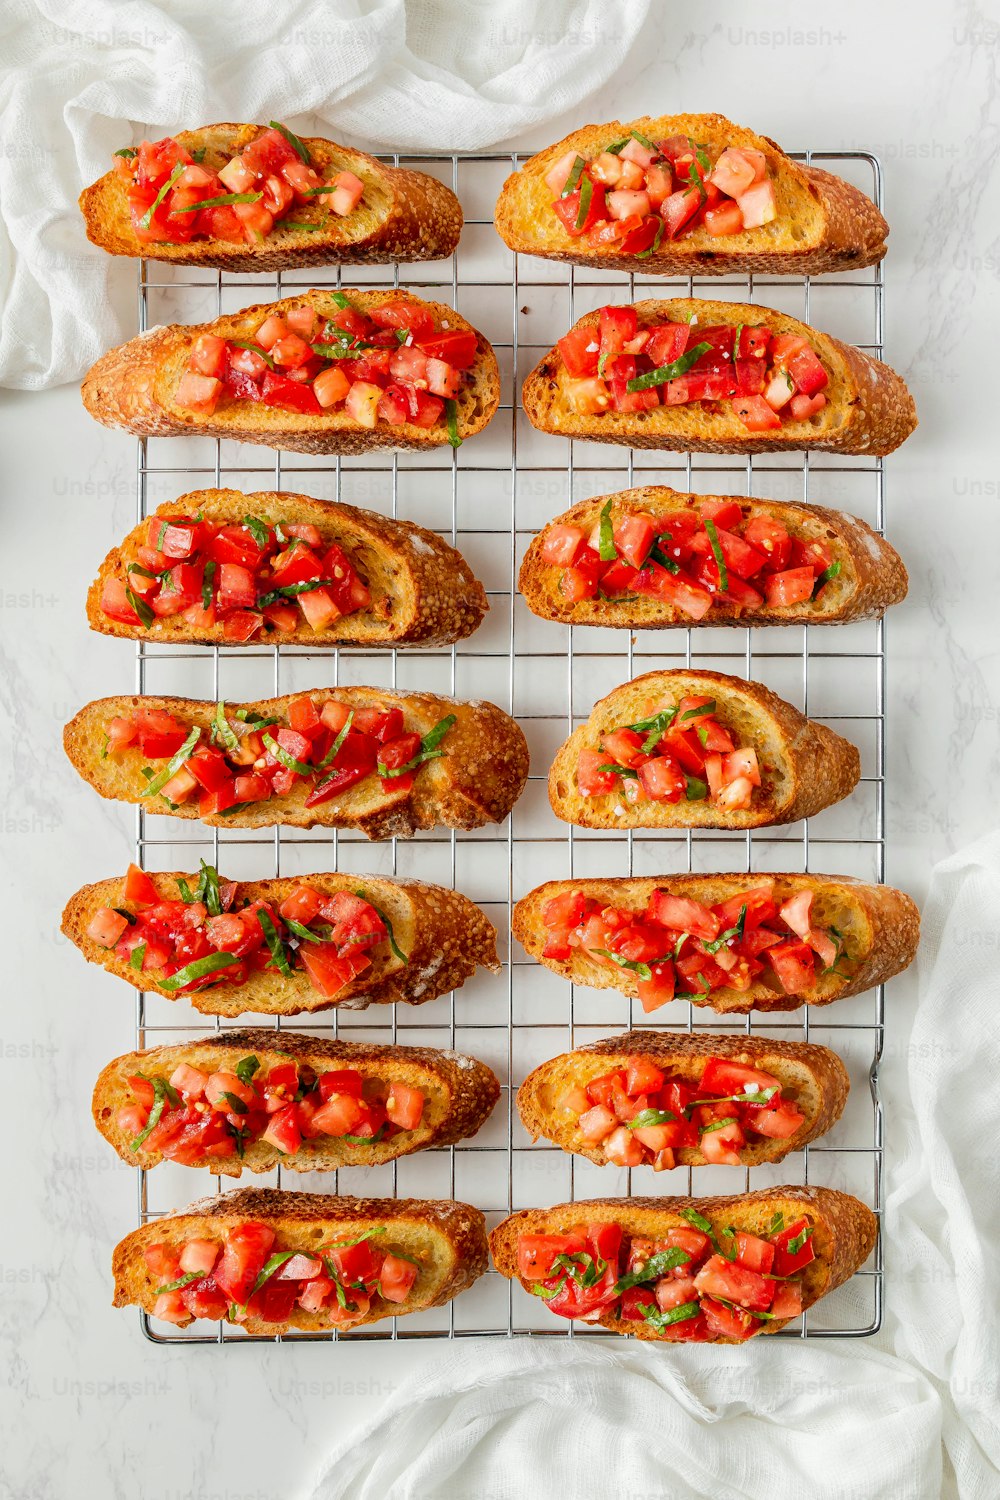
[{"x": 489, "y": 498}]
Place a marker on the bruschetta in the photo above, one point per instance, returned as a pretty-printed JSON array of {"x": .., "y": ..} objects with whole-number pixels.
[
  {"x": 666, "y": 1099},
  {"x": 686, "y": 749},
  {"x": 691, "y": 1270},
  {"x": 270, "y": 1261},
  {"x": 385, "y": 762},
  {"x": 652, "y": 559},
  {"x": 734, "y": 943},
  {"x": 281, "y": 947},
  {"x": 321, "y": 372},
  {"x": 686, "y": 195},
  {"x": 222, "y": 568},
  {"x": 260, "y": 198},
  {"x": 715, "y": 377},
  {"x": 260, "y": 1099}
]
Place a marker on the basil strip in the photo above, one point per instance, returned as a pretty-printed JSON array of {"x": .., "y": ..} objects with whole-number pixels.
[
  {"x": 645, "y": 254},
  {"x": 236, "y": 1105},
  {"x": 301, "y": 932},
  {"x": 223, "y": 200},
  {"x": 137, "y": 955},
  {"x": 347, "y": 347},
  {"x": 292, "y": 140},
  {"x": 700, "y": 1222},
  {"x": 730, "y": 932},
  {"x": 315, "y": 192},
  {"x": 647, "y": 1117},
  {"x": 369, "y": 1234},
  {"x": 363, "y": 1140},
  {"x": 300, "y": 767},
  {"x": 658, "y": 555},
  {"x": 246, "y": 1068},
  {"x": 255, "y": 349},
  {"x": 275, "y": 944},
  {"x": 209, "y": 964},
  {"x": 642, "y": 970},
  {"x": 660, "y": 1320},
  {"x": 659, "y": 1264},
  {"x": 451, "y": 417},
  {"x": 342, "y": 302},
  {"x": 130, "y": 919},
  {"x": 576, "y": 172},
  {"x": 207, "y": 889},
  {"x": 258, "y": 529},
  {"x": 586, "y": 194},
  {"x": 653, "y": 728},
  {"x": 833, "y": 571},
  {"x": 175, "y": 1286},
  {"x": 272, "y": 1264},
  {"x": 292, "y": 591},
  {"x": 718, "y": 1124},
  {"x": 333, "y": 751},
  {"x": 720, "y": 561},
  {"x": 162, "y": 1093},
  {"x": 777, "y": 1223},
  {"x": 142, "y": 609},
  {"x": 335, "y": 748},
  {"x": 795, "y": 1245},
  {"x": 206, "y": 584},
  {"x": 606, "y": 546},
  {"x": 223, "y": 731},
  {"x": 428, "y": 750},
  {"x": 660, "y": 376},
  {"x": 147, "y": 217},
  {"x": 702, "y": 708},
  {"x": 695, "y": 790},
  {"x": 394, "y": 946},
  {"x": 128, "y": 152},
  {"x": 173, "y": 765},
  {"x": 312, "y": 228}
]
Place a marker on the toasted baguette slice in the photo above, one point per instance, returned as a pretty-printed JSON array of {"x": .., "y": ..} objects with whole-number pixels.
[
  {"x": 804, "y": 766},
  {"x": 446, "y": 1239},
  {"x": 133, "y": 387},
  {"x": 460, "y": 1091},
  {"x": 879, "y": 926},
  {"x": 813, "y": 1077},
  {"x": 423, "y": 592},
  {"x": 822, "y": 223},
  {"x": 444, "y": 936},
  {"x": 845, "y": 1232},
  {"x": 871, "y": 576},
  {"x": 477, "y": 781},
  {"x": 868, "y": 407},
  {"x": 403, "y": 215}
]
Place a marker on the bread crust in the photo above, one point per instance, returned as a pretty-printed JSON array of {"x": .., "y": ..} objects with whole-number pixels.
[
  {"x": 444, "y": 935},
  {"x": 476, "y": 782},
  {"x": 845, "y": 1234},
  {"x": 868, "y": 411},
  {"x": 404, "y": 215},
  {"x": 461, "y": 1093},
  {"x": 804, "y": 765},
  {"x": 872, "y": 575},
  {"x": 423, "y": 591},
  {"x": 449, "y": 1238},
  {"x": 813, "y": 1077},
  {"x": 132, "y": 386},
  {"x": 881, "y": 927},
  {"x": 836, "y": 227}
]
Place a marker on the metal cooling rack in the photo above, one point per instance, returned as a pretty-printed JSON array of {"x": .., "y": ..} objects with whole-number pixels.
[{"x": 489, "y": 499}]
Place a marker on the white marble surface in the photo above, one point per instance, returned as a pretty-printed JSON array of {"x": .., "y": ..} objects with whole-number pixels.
[{"x": 92, "y": 1408}]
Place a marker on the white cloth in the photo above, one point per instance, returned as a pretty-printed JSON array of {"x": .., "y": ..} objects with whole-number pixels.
[
  {"x": 908, "y": 1415},
  {"x": 432, "y": 75}
]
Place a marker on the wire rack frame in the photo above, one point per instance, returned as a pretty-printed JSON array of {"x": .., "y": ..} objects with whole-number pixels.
[{"x": 496, "y": 1169}]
